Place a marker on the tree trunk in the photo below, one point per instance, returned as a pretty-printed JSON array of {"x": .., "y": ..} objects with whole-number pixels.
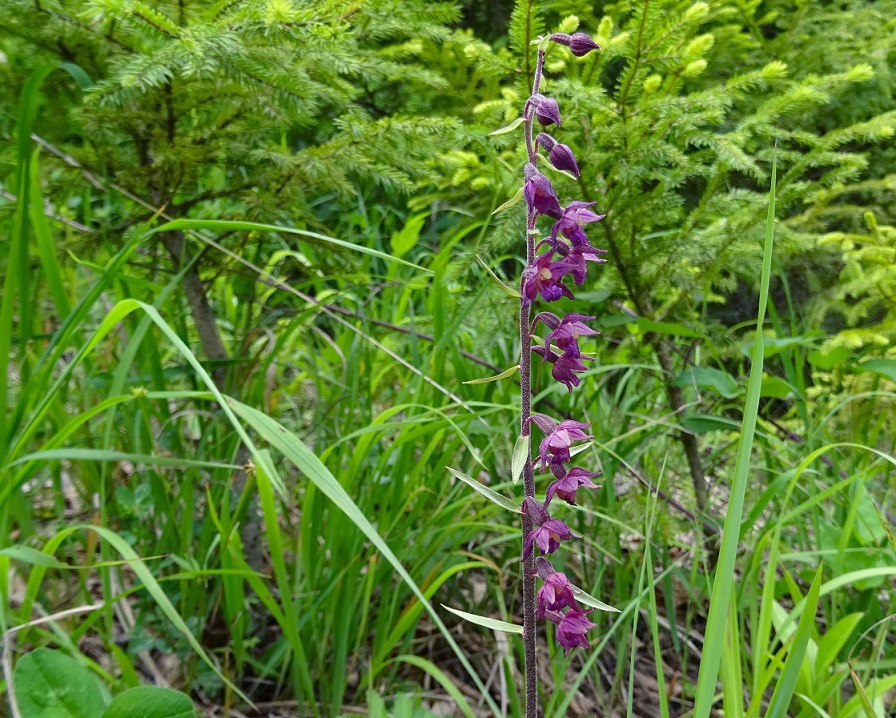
[
  {"x": 687, "y": 439},
  {"x": 200, "y": 308}
]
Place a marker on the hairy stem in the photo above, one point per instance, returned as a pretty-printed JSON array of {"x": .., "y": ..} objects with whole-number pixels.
[{"x": 531, "y": 668}]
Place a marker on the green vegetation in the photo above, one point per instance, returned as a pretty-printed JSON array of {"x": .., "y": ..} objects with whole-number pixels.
[{"x": 248, "y": 287}]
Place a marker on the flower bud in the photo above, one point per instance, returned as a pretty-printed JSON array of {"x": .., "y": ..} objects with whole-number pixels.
[
  {"x": 561, "y": 157},
  {"x": 581, "y": 44},
  {"x": 547, "y": 112}
]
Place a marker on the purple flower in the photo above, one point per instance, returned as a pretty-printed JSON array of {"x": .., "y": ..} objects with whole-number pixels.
[
  {"x": 574, "y": 216},
  {"x": 575, "y": 260},
  {"x": 547, "y": 536},
  {"x": 555, "y": 593},
  {"x": 554, "y": 447},
  {"x": 566, "y": 331},
  {"x": 540, "y": 194},
  {"x": 544, "y": 277},
  {"x": 572, "y": 629},
  {"x": 547, "y": 112},
  {"x": 567, "y": 486},
  {"x": 565, "y": 365}
]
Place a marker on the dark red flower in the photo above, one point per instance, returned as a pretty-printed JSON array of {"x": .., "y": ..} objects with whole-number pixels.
[
  {"x": 559, "y": 155},
  {"x": 539, "y": 193},
  {"x": 565, "y": 365},
  {"x": 572, "y": 628},
  {"x": 566, "y": 487},
  {"x": 581, "y": 44},
  {"x": 555, "y": 593},
  {"x": 576, "y": 260},
  {"x": 544, "y": 277},
  {"x": 554, "y": 447},
  {"x": 575, "y": 214},
  {"x": 567, "y": 330},
  {"x": 547, "y": 537}
]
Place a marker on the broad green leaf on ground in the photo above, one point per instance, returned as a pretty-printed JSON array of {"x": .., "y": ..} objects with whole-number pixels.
[
  {"x": 49, "y": 684},
  {"x": 150, "y": 702}
]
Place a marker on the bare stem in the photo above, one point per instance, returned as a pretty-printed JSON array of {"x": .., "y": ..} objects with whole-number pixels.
[{"x": 529, "y": 629}]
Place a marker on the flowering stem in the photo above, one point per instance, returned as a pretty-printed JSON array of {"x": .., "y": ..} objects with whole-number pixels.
[{"x": 531, "y": 669}]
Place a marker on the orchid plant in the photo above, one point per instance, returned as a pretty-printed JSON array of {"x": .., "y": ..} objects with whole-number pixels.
[{"x": 564, "y": 252}]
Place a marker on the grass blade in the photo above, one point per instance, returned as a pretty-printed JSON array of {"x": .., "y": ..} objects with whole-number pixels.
[
  {"x": 723, "y": 578},
  {"x": 790, "y": 673}
]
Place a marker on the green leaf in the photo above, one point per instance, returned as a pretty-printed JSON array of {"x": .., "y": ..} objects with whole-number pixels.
[
  {"x": 405, "y": 239},
  {"x": 508, "y": 128},
  {"x": 76, "y": 454},
  {"x": 833, "y": 641},
  {"x": 705, "y": 423},
  {"x": 671, "y": 328},
  {"x": 827, "y": 359},
  {"x": 484, "y": 621},
  {"x": 49, "y": 684},
  {"x": 223, "y": 225},
  {"x": 774, "y": 387},
  {"x": 493, "y": 496},
  {"x": 503, "y": 375},
  {"x": 520, "y": 455},
  {"x": 150, "y": 702},
  {"x": 590, "y": 600},
  {"x": 720, "y": 382},
  {"x": 775, "y": 345},
  {"x": 790, "y": 673},
  {"x": 509, "y": 291},
  {"x": 509, "y": 203},
  {"x": 31, "y": 556},
  {"x": 884, "y": 367},
  {"x": 723, "y": 576}
]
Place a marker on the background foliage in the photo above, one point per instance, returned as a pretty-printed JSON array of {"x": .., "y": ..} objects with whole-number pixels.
[{"x": 245, "y": 279}]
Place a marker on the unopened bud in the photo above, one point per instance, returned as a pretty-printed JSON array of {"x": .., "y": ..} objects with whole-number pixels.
[
  {"x": 562, "y": 158},
  {"x": 581, "y": 44},
  {"x": 547, "y": 112}
]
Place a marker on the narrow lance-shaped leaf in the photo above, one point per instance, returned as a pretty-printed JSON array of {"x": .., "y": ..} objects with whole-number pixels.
[
  {"x": 503, "y": 375},
  {"x": 491, "y": 495},
  {"x": 485, "y": 621},
  {"x": 520, "y": 455}
]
